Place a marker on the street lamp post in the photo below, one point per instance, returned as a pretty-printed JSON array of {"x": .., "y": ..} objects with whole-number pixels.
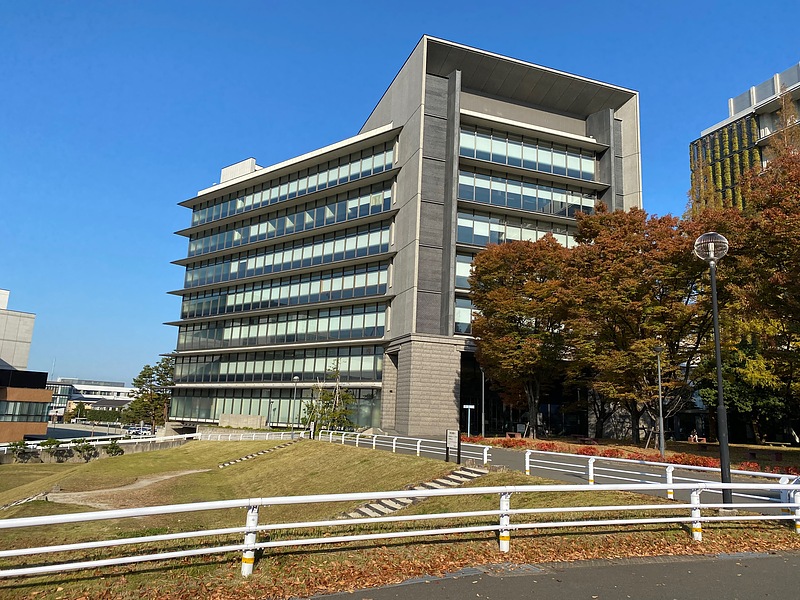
[
  {"x": 483, "y": 404},
  {"x": 295, "y": 379},
  {"x": 661, "y": 444},
  {"x": 711, "y": 247}
]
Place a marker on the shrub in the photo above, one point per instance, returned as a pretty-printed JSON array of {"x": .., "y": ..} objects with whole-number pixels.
[
  {"x": 693, "y": 460},
  {"x": 613, "y": 453},
  {"x": 21, "y": 451},
  {"x": 547, "y": 446},
  {"x": 114, "y": 449},
  {"x": 588, "y": 451},
  {"x": 85, "y": 449},
  {"x": 750, "y": 466}
]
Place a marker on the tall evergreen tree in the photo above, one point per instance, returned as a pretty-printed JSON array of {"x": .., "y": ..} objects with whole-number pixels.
[{"x": 153, "y": 393}]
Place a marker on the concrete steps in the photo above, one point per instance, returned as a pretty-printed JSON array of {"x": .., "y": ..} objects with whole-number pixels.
[
  {"x": 257, "y": 454},
  {"x": 381, "y": 508}
]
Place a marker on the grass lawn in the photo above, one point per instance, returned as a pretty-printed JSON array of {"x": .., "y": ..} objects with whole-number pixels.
[{"x": 315, "y": 467}]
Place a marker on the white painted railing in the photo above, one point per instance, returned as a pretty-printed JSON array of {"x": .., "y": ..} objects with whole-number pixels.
[
  {"x": 654, "y": 472},
  {"x": 417, "y": 446},
  {"x": 691, "y": 512},
  {"x": 252, "y": 436},
  {"x": 100, "y": 442}
]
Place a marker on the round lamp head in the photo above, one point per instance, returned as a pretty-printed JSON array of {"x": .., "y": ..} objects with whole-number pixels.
[
  {"x": 295, "y": 379},
  {"x": 711, "y": 246},
  {"x": 658, "y": 349}
]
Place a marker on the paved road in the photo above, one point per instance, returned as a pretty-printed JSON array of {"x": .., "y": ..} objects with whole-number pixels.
[{"x": 732, "y": 577}]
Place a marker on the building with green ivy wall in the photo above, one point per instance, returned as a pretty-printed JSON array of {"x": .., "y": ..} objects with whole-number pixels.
[{"x": 725, "y": 151}]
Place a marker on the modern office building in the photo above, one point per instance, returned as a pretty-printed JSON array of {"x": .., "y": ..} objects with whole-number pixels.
[
  {"x": 356, "y": 255},
  {"x": 725, "y": 151}
]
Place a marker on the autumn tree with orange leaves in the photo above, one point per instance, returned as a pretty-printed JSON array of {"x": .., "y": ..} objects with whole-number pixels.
[{"x": 522, "y": 303}]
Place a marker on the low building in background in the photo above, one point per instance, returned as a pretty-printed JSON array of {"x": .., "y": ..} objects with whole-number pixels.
[
  {"x": 16, "y": 332},
  {"x": 69, "y": 392},
  {"x": 24, "y": 399}
]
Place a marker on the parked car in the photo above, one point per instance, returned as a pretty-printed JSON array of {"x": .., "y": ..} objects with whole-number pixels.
[{"x": 135, "y": 430}]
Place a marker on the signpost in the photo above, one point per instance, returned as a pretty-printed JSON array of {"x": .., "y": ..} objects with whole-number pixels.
[
  {"x": 453, "y": 442},
  {"x": 469, "y": 408}
]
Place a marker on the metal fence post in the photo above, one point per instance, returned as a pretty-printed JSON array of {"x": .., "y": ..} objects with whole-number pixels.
[
  {"x": 419, "y": 445},
  {"x": 394, "y": 444},
  {"x": 486, "y": 456},
  {"x": 358, "y": 436},
  {"x": 505, "y": 534},
  {"x": 670, "y": 492},
  {"x": 343, "y": 435},
  {"x": 590, "y": 470},
  {"x": 795, "y": 499},
  {"x": 785, "y": 494},
  {"x": 697, "y": 526},
  {"x": 330, "y": 437},
  {"x": 374, "y": 439},
  {"x": 527, "y": 462},
  {"x": 249, "y": 556}
]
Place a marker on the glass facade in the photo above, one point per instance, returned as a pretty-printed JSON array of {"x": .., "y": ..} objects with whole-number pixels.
[
  {"x": 320, "y": 325},
  {"x": 355, "y": 242},
  {"x": 359, "y": 281},
  {"x": 356, "y": 363},
  {"x": 527, "y": 153},
  {"x": 20, "y": 411},
  {"x": 463, "y": 266},
  {"x": 312, "y": 215},
  {"x": 463, "y": 316},
  {"x": 524, "y": 194},
  {"x": 279, "y": 405},
  {"x": 479, "y": 229},
  {"x": 325, "y": 175}
]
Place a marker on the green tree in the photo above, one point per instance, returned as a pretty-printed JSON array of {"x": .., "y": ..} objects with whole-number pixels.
[
  {"x": 751, "y": 389},
  {"x": 522, "y": 304},
  {"x": 770, "y": 285},
  {"x": 153, "y": 393},
  {"x": 330, "y": 407}
]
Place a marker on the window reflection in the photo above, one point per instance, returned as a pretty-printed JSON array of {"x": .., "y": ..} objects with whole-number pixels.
[
  {"x": 530, "y": 195},
  {"x": 356, "y": 363},
  {"x": 321, "y": 286},
  {"x": 529, "y": 153},
  {"x": 366, "y": 240},
  {"x": 345, "y": 322},
  {"x": 479, "y": 229},
  {"x": 320, "y": 177}
]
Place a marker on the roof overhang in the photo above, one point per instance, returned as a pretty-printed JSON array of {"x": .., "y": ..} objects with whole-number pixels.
[{"x": 492, "y": 74}]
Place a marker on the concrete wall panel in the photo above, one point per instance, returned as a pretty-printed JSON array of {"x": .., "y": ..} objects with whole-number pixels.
[{"x": 525, "y": 114}]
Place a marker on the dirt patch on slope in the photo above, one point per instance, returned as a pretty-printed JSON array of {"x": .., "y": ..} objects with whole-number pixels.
[{"x": 127, "y": 496}]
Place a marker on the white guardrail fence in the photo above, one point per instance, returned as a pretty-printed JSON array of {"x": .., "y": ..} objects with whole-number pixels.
[
  {"x": 100, "y": 442},
  {"x": 476, "y": 452},
  {"x": 622, "y": 469},
  {"x": 499, "y": 521}
]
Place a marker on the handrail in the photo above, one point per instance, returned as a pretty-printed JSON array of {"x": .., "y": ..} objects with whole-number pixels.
[
  {"x": 419, "y": 446},
  {"x": 590, "y": 469},
  {"x": 503, "y": 526}
]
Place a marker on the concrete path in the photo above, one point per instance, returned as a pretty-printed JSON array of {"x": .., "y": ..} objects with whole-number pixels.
[{"x": 732, "y": 577}]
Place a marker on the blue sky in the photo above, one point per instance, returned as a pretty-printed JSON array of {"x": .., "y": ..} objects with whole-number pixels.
[{"x": 113, "y": 112}]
